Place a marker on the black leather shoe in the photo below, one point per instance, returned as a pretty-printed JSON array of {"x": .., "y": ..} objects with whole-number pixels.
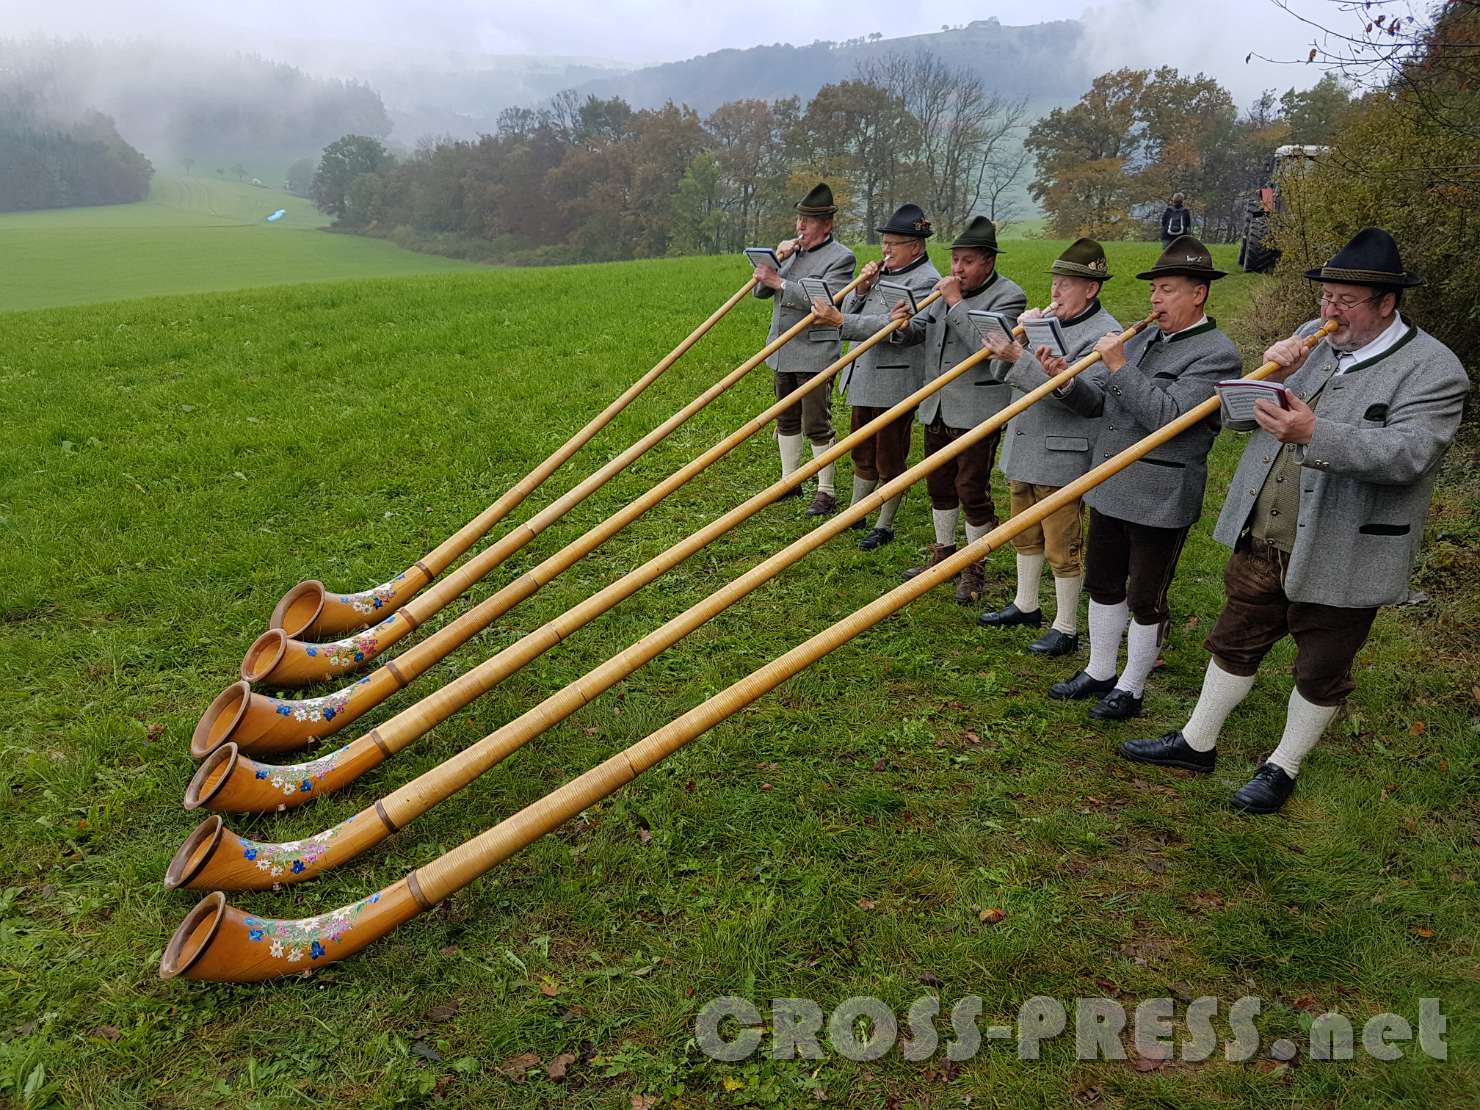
[
  {"x": 1117, "y": 705},
  {"x": 795, "y": 491},
  {"x": 1170, "y": 749},
  {"x": 824, "y": 504},
  {"x": 860, "y": 524},
  {"x": 877, "y": 537},
  {"x": 1054, "y": 642},
  {"x": 1266, "y": 792},
  {"x": 1010, "y": 616},
  {"x": 1081, "y": 686}
]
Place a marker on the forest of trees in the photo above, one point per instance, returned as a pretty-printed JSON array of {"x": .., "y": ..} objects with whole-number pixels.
[
  {"x": 1106, "y": 165},
  {"x": 595, "y": 179},
  {"x": 592, "y": 179},
  {"x": 45, "y": 163}
]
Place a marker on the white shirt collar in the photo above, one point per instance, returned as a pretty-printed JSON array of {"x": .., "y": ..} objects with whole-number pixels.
[
  {"x": 1389, "y": 338},
  {"x": 1167, "y": 335}
]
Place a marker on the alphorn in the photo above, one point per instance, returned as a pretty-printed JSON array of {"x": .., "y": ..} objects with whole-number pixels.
[
  {"x": 212, "y": 857},
  {"x": 310, "y": 611},
  {"x": 276, "y": 659},
  {"x": 228, "y": 781},
  {"x": 217, "y": 941},
  {"x": 262, "y": 725}
]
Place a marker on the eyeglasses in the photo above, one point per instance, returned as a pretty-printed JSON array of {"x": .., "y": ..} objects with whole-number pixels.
[{"x": 1345, "y": 304}]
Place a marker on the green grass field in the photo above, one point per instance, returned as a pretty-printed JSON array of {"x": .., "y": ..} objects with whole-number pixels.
[
  {"x": 172, "y": 465},
  {"x": 193, "y": 235}
]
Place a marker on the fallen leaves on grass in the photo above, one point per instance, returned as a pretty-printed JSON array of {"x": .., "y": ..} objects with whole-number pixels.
[
  {"x": 549, "y": 987},
  {"x": 991, "y": 916},
  {"x": 866, "y": 903},
  {"x": 644, "y": 1102},
  {"x": 557, "y": 1067},
  {"x": 1417, "y": 728},
  {"x": 444, "y": 1012},
  {"x": 517, "y": 1067}
]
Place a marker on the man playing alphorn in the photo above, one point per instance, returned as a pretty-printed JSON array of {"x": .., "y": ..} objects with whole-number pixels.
[
  {"x": 887, "y": 373},
  {"x": 949, "y": 336},
  {"x": 813, "y": 253},
  {"x": 1326, "y": 510},
  {"x": 1049, "y": 445},
  {"x": 1139, "y": 517}
]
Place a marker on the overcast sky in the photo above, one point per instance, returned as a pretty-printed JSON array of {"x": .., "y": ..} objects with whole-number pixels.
[{"x": 1191, "y": 35}]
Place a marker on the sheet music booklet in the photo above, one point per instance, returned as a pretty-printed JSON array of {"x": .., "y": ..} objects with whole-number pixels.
[
  {"x": 1239, "y": 395},
  {"x": 1046, "y": 331},
  {"x": 817, "y": 289},
  {"x": 897, "y": 293},
  {"x": 993, "y": 327},
  {"x": 763, "y": 256}
]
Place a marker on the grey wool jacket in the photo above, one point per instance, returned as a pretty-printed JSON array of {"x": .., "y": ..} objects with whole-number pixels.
[
  {"x": 1049, "y": 444},
  {"x": 949, "y": 336},
  {"x": 886, "y": 373},
  {"x": 1367, "y": 475},
  {"x": 1162, "y": 379},
  {"x": 816, "y": 348}
]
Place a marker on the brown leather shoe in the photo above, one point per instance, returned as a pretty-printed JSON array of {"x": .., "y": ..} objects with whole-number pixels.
[
  {"x": 824, "y": 504},
  {"x": 939, "y": 553},
  {"x": 969, "y": 583}
]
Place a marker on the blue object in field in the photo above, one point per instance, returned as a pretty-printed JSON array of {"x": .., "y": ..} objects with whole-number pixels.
[{"x": 276, "y": 216}]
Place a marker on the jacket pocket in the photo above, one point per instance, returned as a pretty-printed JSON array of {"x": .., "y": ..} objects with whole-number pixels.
[
  {"x": 1165, "y": 376},
  {"x": 824, "y": 335},
  {"x": 1164, "y": 462},
  {"x": 1066, "y": 443},
  {"x": 1384, "y": 529},
  {"x": 1376, "y": 413},
  {"x": 900, "y": 366}
]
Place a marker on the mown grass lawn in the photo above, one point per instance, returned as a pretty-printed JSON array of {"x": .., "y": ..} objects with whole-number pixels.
[
  {"x": 192, "y": 235},
  {"x": 172, "y": 465}
]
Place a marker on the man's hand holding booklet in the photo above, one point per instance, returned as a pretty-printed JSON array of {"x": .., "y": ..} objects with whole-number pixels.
[{"x": 1239, "y": 395}]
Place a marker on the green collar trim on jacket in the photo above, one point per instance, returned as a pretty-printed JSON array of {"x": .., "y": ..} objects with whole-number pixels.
[
  {"x": 1402, "y": 341},
  {"x": 967, "y": 294},
  {"x": 1094, "y": 307},
  {"x": 915, "y": 265},
  {"x": 1196, "y": 329}
]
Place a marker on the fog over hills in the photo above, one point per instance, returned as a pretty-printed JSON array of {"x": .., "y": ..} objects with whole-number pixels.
[{"x": 1014, "y": 62}]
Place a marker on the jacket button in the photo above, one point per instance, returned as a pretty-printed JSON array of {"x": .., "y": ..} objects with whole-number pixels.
[
  {"x": 1253, "y": 493},
  {"x": 1279, "y": 479},
  {"x": 1107, "y": 454},
  {"x": 1266, "y": 458},
  {"x": 1110, "y": 427},
  {"x": 1274, "y": 512}
]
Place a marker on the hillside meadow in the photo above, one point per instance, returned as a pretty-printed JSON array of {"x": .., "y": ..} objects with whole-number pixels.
[
  {"x": 909, "y": 817},
  {"x": 193, "y": 235}
]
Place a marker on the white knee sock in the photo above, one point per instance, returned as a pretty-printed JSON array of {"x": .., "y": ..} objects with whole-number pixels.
[
  {"x": 1106, "y": 623},
  {"x": 1304, "y": 723},
  {"x": 862, "y": 487},
  {"x": 1029, "y": 572},
  {"x": 975, "y": 532},
  {"x": 886, "y": 514},
  {"x": 825, "y": 475},
  {"x": 1066, "y": 590},
  {"x": 791, "y": 453},
  {"x": 1221, "y": 692},
  {"x": 1140, "y": 656},
  {"x": 945, "y": 525}
]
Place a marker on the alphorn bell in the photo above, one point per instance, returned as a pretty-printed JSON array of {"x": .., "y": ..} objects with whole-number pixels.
[
  {"x": 310, "y": 611},
  {"x": 217, "y": 941},
  {"x": 276, "y": 659},
  {"x": 214, "y": 858},
  {"x": 262, "y": 725}
]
